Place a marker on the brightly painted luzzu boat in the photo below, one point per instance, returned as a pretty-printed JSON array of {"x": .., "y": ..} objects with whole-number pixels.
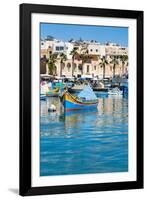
[
  {"x": 53, "y": 93},
  {"x": 79, "y": 102},
  {"x": 71, "y": 102}
]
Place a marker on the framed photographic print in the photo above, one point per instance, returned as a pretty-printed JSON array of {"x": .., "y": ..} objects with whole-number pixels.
[{"x": 81, "y": 99}]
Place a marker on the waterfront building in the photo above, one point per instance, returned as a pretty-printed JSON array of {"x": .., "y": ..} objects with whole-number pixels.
[
  {"x": 96, "y": 49},
  {"x": 59, "y": 47},
  {"x": 91, "y": 66},
  {"x": 112, "y": 49}
]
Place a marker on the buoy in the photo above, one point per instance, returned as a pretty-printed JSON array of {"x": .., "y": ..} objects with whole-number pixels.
[{"x": 52, "y": 108}]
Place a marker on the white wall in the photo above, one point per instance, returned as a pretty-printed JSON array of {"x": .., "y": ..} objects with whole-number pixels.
[
  {"x": 68, "y": 51},
  {"x": 58, "y": 44},
  {"x": 9, "y": 85}
]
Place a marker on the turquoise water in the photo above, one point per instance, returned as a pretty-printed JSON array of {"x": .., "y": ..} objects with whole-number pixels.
[{"x": 84, "y": 142}]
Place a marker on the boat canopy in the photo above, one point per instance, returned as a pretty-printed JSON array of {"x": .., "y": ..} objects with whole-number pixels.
[{"x": 87, "y": 93}]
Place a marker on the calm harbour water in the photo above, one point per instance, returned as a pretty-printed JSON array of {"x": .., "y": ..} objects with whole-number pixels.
[{"x": 84, "y": 142}]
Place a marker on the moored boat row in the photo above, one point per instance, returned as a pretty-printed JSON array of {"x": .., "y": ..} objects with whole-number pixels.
[{"x": 79, "y": 96}]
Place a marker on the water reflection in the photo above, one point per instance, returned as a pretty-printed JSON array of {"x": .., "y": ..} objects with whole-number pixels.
[{"x": 84, "y": 141}]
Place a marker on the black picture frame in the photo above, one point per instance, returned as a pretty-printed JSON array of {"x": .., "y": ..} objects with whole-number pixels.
[{"x": 25, "y": 187}]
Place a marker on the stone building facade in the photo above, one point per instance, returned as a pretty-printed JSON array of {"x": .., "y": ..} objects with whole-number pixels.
[{"x": 91, "y": 67}]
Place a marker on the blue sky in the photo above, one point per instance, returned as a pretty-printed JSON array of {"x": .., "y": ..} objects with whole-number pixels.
[{"x": 100, "y": 33}]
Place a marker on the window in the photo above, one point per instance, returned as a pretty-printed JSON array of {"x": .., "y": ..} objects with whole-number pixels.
[
  {"x": 80, "y": 67},
  {"x": 87, "y": 68},
  {"x": 61, "y": 48},
  {"x": 68, "y": 66},
  {"x": 94, "y": 67},
  {"x": 96, "y": 50},
  {"x": 57, "y": 48},
  {"x": 91, "y": 50}
]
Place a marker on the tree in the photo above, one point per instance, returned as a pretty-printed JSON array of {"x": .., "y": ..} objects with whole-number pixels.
[
  {"x": 73, "y": 53},
  {"x": 43, "y": 62},
  {"x": 103, "y": 64},
  {"x": 52, "y": 63},
  {"x": 115, "y": 62},
  {"x": 71, "y": 40},
  {"x": 63, "y": 58},
  {"x": 124, "y": 59},
  {"x": 84, "y": 56}
]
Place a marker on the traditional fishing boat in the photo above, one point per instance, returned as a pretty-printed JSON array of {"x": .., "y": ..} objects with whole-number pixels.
[
  {"x": 53, "y": 93},
  {"x": 46, "y": 90},
  {"x": 115, "y": 91},
  {"x": 85, "y": 100},
  {"x": 76, "y": 88}
]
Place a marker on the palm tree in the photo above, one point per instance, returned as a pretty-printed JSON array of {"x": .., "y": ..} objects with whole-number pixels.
[
  {"x": 115, "y": 62},
  {"x": 103, "y": 64},
  {"x": 63, "y": 58},
  {"x": 73, "y": 53},
  {"x": 84, "y": 56},
  {"x": 43, "y": 62},
  {"x": 124, "y": 59},
  {"x": 52, "y": 63}
]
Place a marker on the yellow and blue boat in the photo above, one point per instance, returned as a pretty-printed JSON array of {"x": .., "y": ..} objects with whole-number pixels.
[
  {"x": 85, "y": 100},
  {"x": 53, "y": 93}
]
